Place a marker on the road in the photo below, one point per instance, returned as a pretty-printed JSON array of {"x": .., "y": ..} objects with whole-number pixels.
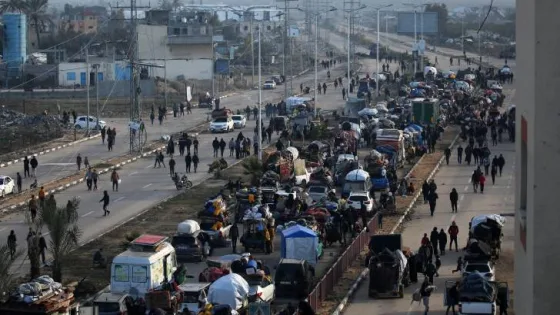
[
  {"x": 62, "y": 163},
  {"x": 498, "y": 198},
  {"x": 142, "y": 186}
]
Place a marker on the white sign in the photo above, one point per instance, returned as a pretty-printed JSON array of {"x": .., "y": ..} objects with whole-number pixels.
[
  {"x": 293, "y": 31},
  {"x": 421, "y": 46},
  {"x": 189, "y": 95}
]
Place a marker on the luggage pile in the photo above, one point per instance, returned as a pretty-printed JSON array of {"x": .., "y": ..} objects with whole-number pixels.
[{"x": 41, "y": 295}]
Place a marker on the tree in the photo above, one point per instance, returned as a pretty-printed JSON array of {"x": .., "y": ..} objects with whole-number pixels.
[
  {"x": 443, "y": 15},
  {"x": 64, "y": 232},
  {"x": 254, "y": 168},
  {"x": 36, "y": 11},
  {"x": 7, "y": 277},
  {"x": 11, "y": 6}
]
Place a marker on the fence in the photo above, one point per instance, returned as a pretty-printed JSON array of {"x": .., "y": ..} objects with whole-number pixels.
[{"x": 333, "y": 275}]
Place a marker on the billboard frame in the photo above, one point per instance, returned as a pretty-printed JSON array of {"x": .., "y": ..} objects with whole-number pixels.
[{"x": 405, "y": 23}]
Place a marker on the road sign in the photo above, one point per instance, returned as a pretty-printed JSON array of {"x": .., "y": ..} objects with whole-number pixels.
[{"x": 259, "y": 308}]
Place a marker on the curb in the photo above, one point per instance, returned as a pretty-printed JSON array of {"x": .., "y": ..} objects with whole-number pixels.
[
  {"x": 340, "y": 308},
  {"x": 49, "y": 150},
  {"x": 81, "y": 180}
]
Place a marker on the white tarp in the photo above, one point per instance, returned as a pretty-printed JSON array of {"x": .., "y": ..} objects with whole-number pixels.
[
  {"x": 402, "y": 260},
  {"x": 428, "y": 69},
  {"x": 188, "y": 227},
  {"x": 294, "y": 151},
  {"x": 479, "y": 219},
  {"x": 230, "y": 289},
  {"x": 368, "y": 112}
]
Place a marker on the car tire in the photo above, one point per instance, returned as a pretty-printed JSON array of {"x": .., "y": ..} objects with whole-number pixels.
[{"x": 78, "y": 127}]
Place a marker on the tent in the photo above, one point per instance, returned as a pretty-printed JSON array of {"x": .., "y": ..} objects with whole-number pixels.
[
  {"x": 230, "y": 289},
  {"x": 299, "y": 242}
]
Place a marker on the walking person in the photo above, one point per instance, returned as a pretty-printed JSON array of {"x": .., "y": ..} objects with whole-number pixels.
[
  {"x": 442, "y": 239},
  {"x": 115, "y": 180},
  {"x": 452, "y": 298},
  {"x": 425, "y": 191},
  {"x": 447, "y": 155},
  {"x": 12, "y": 243},
  {"x": 89, "y": 179},
  {"x": 195, "y": 145},
  {"x": 19, "y": 181},
  {"x": 171, "y": 166},
  {"x": 32, "y": 208},
  {"x": 161, "y": 159},
  {"x": 493, "y": 173},
  {"x": 79, "y": 162},
  {"x": 157, "y": 161},
  {"x": 231, "y": 147},
  {"x": 42, "y": 196},
  {"x": 460, "y": 154},
  {"x": 104, "y": 133},
  {"x": 105, "y": 200},
  {"x": 86, "y": 162},
  {"x": 26, "y": 167},
  {"x": 453, "y": 233},
  {"x": 216, "y": 146},
  {"x": 475, "y": 177},
  {"x": 501, "y": 164},
  {"x": 195, "y": 161},
  {"x": 482, "y": 181},
  {"x": 432, "y": 199},
  {"x": 425, "y": 292},
  {"x": 95, "y": 178},
  {"x": 42, "y": 247},
  {"x": 188, "y": 161},
  {"x": 222, "y": 147},
  {"x": 34, "y": 163},
  {"x": 454, "y": 198},
  {"x": 234, "y": 234},
  {"x": 434, "y": 239}
]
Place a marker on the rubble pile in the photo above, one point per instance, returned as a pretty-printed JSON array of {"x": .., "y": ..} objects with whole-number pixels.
[{"x": 18, "y": 130}]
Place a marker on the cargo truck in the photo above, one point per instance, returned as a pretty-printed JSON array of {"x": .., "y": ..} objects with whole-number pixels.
[
  {"x": 388, "y": 267},
  {"x": 425, "y": 111}
]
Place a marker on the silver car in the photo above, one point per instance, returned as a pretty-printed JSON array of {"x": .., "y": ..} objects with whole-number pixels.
[
  {"x": 317, "y": 192},
  {"x": 239, "y": 121}
]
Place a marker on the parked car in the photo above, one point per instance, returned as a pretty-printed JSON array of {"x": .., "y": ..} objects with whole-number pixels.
[
  {"x": 194, "y": 296},
  {"x": 81, "y": 123},
  {"x": 269, "y": 85},
  {"x": 277, "y": 79},
  {"x": 261, "y": 289},
  {"x": 293, "y": 280},
  {"x": 221, "y": 124},
  {"x": 486, "y": 268},
  {"x": 302, "y": 178},
  {"x": 7, "y": 185},
  {"x": 317, "y": 192},
  {"x": 355, "y": 200},
  {"x": 239, "y": 121}
]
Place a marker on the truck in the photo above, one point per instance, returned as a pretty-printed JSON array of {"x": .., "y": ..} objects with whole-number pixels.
[
  {"x": 425, "y": 111},
  {"x": 388, "y": 267},
  {"x": 394, "y": 139},
  {"x": 477, "y": 295}
]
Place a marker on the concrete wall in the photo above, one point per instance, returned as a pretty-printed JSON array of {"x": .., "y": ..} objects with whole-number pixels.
[
  {"x": 538, "y": 152},
  {"x": 152, "y": 44},
  {"x": 200, "y": 69}
]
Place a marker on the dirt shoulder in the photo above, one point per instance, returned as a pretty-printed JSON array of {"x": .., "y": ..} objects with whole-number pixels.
[{"x": 419, "y": 174}]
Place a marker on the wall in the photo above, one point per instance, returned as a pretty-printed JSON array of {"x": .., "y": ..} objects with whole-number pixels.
[
  {"x": 152, "y": 41},
  {"x": 538, "y": 151},
  {"x": 200, "y": 69},
  {"x": 71, "y": 73}
]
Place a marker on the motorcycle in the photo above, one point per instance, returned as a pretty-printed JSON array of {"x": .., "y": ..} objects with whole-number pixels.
[{"x": 182, "y": 182}]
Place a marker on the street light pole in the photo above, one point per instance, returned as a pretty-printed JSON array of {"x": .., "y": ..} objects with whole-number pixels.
[
  {"x": 377, "y": 81},
  {"x": 252, "y": 54},
  {"x": 348, "y": 76},
  {"x": 422, "y": 39},
  {"x": 316, "y": 57},
  {"x": 259, "y": 125},
  {"x": 415, "y": 46}
]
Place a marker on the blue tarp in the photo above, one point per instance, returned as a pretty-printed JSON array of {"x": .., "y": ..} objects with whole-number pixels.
[{"x": 299, "y": 242}]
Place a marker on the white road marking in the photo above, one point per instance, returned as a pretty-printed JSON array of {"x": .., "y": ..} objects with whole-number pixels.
[
  {"x": 148, "y": 166},
  {"x": 45, "y": 234},
  {"x": 86, "y": 214},
  {"x": 119, "y": 199},
  {"x": 462, "y": 197},
  {"x": 146, "y": 186},
  {"x": 133, "y": 173},
  {"x": 20, "y": 221},
  {"x": 58, "y": 164}
]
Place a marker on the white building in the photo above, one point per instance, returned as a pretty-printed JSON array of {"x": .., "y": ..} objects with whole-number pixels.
[
  {"x": 537, "y": 240},
  {"x": 75, "y": 73}
]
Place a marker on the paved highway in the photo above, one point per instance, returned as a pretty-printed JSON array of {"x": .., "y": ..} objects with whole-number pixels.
[
  {"x": 142, "y": 186},
  {"x": 498, "y": 198},
  {"x": 62, "y": 163}
]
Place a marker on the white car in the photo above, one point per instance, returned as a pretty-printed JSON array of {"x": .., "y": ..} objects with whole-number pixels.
[
  {"x": 221, "y": 124},
  {"x": 239, "y": 121},
  {"x": 486, "y": 268},
  {"x": 317, "y": 192},
  {"x": 356, "y": 198},
  {"x": 303, "y": 178},
  {"x": 7, "y": 185},
  {"x": 260, "y": 288},
  {"x": 81, "y": 123},
  {"x": 269, "y": 85}
]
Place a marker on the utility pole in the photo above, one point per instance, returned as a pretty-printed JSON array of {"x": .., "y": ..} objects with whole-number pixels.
[
  {"x": 286, "y": 44},
  {"x": 252, "y": 51},
  {"x": 260, "y": 103},
  {"x": 86, "y": 50},
  {"x": 165, "y": 80},
  {"x": 136, "y": 142},
  {"x": 96, "y": 67}
]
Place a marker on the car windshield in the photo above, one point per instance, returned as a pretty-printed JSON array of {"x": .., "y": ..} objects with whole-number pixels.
[
  {"x": 190, "y": 297},
  {"x": 1, "y": 181},
  {"x": 220, "y": 120},
  {"x": 355, "y": 186},
  {"x": 237, "y": 118},
  {"x": 108, "y": 307},
  {"x": 358, "y": 198},
  {"x": 288, "y": 274},
  {"x": 268, "y": 82},
  {"x": 317, "y": 189},
  {"x": 183, "y": 240},
  {"x": 482, "y": 268}
]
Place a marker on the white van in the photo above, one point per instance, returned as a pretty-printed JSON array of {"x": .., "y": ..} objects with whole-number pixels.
[
  {"x": 356, "y": 181},
  {"x": 149, "y": 261}
]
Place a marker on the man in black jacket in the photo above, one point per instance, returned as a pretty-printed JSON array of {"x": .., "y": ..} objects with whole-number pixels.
[{"x": 216, "y": 146}]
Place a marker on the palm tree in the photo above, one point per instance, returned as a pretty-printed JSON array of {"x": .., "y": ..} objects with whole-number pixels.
[
  {"x": 33, "y": 251},
  {"x": 254, "y": 168},
  {"x": 7, "y": 277},
  {"x": 64, "y": 232},
  {"x": 37, "y": 16},
  {"x": 11, "y": 6}
]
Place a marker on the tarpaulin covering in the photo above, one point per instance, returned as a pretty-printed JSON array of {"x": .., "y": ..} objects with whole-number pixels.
[
  {"x": 386, "y": 270},
  {"x": 299, "y": 242},
  {"x": 475, "y": 288},
  {"x": 230, "y": 289}
]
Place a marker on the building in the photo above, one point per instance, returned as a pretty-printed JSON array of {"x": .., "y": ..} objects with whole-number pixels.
[
  {"x": 85, "y": 22},
  {"x": 75, "y": 73},
  {"x": 14, "y": 42},
  {"x": 537, "y": 241},
  {"x": 184, "y": 43}
]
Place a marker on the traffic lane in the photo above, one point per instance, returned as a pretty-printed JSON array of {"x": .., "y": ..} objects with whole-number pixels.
[
  {"x": 134, "y": 193},
  {"x": 496, "y": 199}
]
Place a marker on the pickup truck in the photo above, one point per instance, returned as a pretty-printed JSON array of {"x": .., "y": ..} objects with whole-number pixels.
[{"x": 472, "y": 303}]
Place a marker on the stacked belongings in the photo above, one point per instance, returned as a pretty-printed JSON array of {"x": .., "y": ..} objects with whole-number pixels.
[
  {"x": 41, "y": 295},
  {"x": 257, "y": 212},
  {"x": 281, "y": 163},
  {"x": 217, "y": 165},
  {"x": 374, "y": 158},
  {"x": 213, "y": 216},
  {"x": 245, "y": 198},
  {"x": 475, "y": 288},
  {"x": 270, "y": 178},
  {"x": 321, "y": 176},
  {"x": 486, "y": 232}
]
